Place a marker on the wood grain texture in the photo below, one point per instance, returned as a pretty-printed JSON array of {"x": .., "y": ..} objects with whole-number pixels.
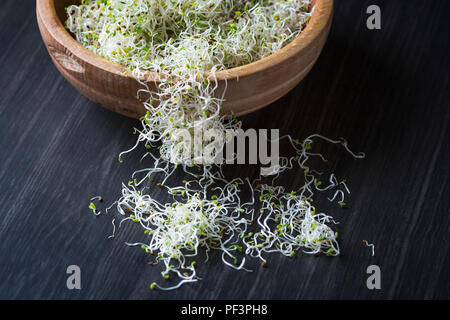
[
  {"x": 385, "y": 91},
  {"x": 248, "y": 88}
]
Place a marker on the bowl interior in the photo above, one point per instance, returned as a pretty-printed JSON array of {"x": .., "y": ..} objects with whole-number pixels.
[
  {"x": 60, "y": 6},
  {"x": 228, "y": 74}
]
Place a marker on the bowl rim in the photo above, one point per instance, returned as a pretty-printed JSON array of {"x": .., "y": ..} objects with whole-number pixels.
[{"x": 323, "y": 11}]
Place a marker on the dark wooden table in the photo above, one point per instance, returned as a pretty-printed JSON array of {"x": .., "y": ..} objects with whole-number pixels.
[{"x": 386, "y": 91}]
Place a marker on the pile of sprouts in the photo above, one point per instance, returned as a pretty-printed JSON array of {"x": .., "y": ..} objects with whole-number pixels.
[
  {"x": 184, "y": 40},
  {"x": 184, "y": 44}
]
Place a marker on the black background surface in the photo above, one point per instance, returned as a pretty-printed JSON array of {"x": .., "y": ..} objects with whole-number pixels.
[{"x": 386, "y": 91}]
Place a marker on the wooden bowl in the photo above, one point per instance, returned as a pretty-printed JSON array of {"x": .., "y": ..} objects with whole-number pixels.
[{"x": 250, "y": 87}]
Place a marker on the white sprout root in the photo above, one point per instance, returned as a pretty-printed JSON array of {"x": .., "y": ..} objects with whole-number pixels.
[
  {"x": 371, "y": 245},
  {"x": 184, "y": 40}
]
